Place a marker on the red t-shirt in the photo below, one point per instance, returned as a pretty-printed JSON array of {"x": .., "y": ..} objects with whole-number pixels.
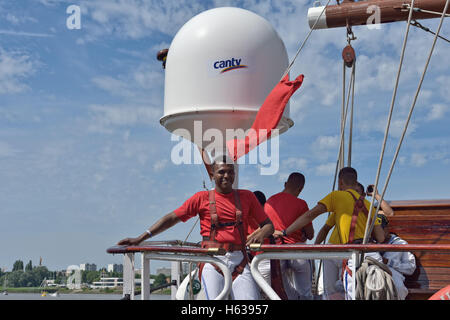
[
  {"x": 226, "y": 212},
  {"x": 283, "y": 209}
]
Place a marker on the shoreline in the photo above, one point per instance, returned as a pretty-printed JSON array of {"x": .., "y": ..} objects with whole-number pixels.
[{"x": 71, "y": 291}]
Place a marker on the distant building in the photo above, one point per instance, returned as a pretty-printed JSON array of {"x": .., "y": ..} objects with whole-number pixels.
[
  {"x": 168, "y": 271},
  {"x": 88, "y": 267},
  {"x": 115, "y": 268},
  {"x": 107, "y": 283},
  {"x": 165, "y": 271}
]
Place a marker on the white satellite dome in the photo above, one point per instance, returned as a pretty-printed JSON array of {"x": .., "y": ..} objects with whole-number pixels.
[{"x": 220, "y": 68}]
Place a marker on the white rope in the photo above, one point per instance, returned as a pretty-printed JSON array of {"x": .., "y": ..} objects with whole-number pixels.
[
  {"x": 343, "y": 122},
  {"x": 430, "y": 12},
  {"x": 411, "y": 109},
  {"x": 304, "y": 41},
  {"x": 341, "y": 144},
  {"x": 383, "y": 146},
  {"x": 350, "y": 134}
]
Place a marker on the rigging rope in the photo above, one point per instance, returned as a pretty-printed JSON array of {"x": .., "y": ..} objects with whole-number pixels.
[
  {"x": 430, "y": 12},
  {"x": 304, "y": 41},
  {"x": 411, "y": 110},
  {"x": 351, "y": 87},
  {"x": 383, "y": 146},
  {"x": 418, "y": 25}
]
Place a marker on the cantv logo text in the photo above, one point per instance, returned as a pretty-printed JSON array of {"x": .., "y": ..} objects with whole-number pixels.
[{"x": 228, "y": 65}]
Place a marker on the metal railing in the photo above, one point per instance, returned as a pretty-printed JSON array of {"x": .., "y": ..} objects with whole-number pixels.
[
  {"x": 175, "y": 251},
  {"x": 166, "y": 251},
  {"x": 328, "y": 251}
]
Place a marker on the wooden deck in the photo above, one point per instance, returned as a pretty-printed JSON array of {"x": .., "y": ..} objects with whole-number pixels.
[{"x": 424, "y": 222}]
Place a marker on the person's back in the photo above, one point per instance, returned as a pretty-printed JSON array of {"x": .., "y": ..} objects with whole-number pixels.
[
  {"x": 342, "y": 203},
  {"x": 283, "y": 209}
]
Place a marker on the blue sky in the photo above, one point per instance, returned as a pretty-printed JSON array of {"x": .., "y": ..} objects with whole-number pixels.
[{"x": 84, "y": 161}]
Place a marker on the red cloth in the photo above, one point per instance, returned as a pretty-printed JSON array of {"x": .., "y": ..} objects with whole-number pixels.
[
  {"x": 283, "y": 209},
  {"x": 267, "y": 118},
  {"x": 226, "y": 211}
]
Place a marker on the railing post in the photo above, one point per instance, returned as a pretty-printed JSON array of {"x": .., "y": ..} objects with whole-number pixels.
[
  {"x": 145, "y": 277},
  {"x": 175, "y": 275},
  {"x": 355, "y": 264},
  {"x": 128, "y": 276}
]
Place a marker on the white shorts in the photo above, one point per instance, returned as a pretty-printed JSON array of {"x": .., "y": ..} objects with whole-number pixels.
[{"x": 244, "y": 286}]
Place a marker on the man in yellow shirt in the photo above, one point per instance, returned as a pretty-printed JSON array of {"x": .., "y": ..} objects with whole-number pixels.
[{"x": 341, "y": 203}]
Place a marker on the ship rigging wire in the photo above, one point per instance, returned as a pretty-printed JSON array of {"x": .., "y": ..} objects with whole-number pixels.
[{"x": 443, "y": 15}]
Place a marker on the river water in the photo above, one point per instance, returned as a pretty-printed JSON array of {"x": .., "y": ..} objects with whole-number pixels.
[{"x": 74, "y": 296}]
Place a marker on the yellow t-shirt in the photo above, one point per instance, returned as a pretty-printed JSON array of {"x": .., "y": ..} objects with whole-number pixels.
[
  {"x": 341, "y": 204},
  {"x": 334, "y": 238}
]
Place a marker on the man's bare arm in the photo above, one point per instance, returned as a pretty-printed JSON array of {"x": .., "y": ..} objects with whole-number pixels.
[
  {"x": 308, "y": 231},
  {"x": 378, "y": 233},
  {"x": 166, "y": 222},
  {"x": 322, "y": 235},
  {"x": 264, "y": 231}
]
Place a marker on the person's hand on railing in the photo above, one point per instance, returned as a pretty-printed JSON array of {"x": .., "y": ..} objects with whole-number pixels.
[
  {"x": 278, "y": 234},
  {"x": 130, "y": 241}
]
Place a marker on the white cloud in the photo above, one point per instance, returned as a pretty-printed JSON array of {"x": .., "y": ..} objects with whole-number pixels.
[
  {"x": 136, "y": 19},
  {"x": 295, "y": 163},
  {"x": 437, "y": 112},
  {"x": 327, "y": 142},
  {"x": 12, "y": 18},
  {"x": 14, "y": 68},
  {"x": 442, "y": 82},
  {"x": 325, "y": 146},
  {"x": 104, "y": 118},
  {"x": 418, "y": 159},
  {"x": 159, "y": 165},
  {"x": 112, "y": 85},
  {"x": 326, "y": 169}
]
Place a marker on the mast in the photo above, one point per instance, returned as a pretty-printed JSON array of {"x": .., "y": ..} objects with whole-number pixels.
[{"x": 350, "y": 13}]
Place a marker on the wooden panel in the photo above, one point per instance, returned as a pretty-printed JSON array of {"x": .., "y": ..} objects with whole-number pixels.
[
  {"x": 427, "y": 259},
  {"x": 419, "y": 220},
  {"x": 434, "y": 237},
  {"x": 425, "y": 275},
  {"x": 424, "y": 222},
  {"x": 420, "y": 203},
  {"x": 421, "y": 207},
  {"x": 428, "y": 278},
  {"x": 423, "y": 240}
]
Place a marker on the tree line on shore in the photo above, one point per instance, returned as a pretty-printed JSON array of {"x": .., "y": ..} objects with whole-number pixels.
[{"x": 33, "y": 276}]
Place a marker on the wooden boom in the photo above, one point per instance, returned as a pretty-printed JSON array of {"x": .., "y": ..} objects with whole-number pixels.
[{"x": 350, "y": 13}]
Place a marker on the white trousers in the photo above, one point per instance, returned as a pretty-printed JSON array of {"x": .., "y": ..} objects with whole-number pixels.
[
  {"x": 332, "y": 269},
  {"x": 399, "y": 283},
  {"x": 297, "y": 277},
  {"x": 244, "y": 286}
]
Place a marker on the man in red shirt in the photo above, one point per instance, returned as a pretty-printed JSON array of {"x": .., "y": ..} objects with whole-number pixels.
[
  {"x": 229, "y": 210},
  {"x": 283, "y": 209}
]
